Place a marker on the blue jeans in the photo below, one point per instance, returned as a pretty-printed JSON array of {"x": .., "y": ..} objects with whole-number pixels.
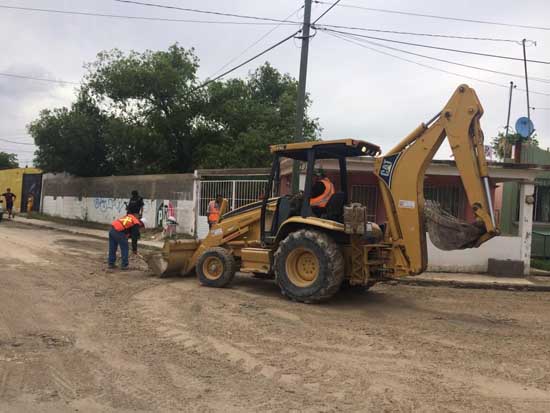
[{"x": 117, "y": 239}]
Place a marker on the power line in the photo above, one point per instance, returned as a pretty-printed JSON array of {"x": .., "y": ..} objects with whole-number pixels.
[
  {"x": 543, "y": 80},
  {"x": 15, "y": 142},
  {"x": 432, "y": 16},
  {"x": 258, "y": 41},
  {"x": 41, "y": 79},
  {"x": 280, "y": 42},
  {"x": 445, "y": 36},
  {"x": 16, "y": 151},
  {"x": 120, "y": 16},
  {"x": 217, "y": 13},
  {"x": 426, "y": 66},
  {"x": 332, "y": 5},
  {"x": 436, "y": 47}
]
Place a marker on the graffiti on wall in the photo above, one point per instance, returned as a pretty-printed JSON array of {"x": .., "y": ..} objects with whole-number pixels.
[{"x": 110, "y": 204}]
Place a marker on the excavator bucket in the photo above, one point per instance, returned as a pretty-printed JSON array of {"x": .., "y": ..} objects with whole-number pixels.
[
  {"x": 448, "y": 232},
  {"x": 174, "y": 259}
]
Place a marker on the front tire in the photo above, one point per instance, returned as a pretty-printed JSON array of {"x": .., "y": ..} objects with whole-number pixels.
[
  {"x": 216, "y": 267},
  {"x": 309, "y": 266}
]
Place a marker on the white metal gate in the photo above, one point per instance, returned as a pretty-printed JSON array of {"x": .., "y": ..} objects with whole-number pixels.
[{"x": 239, "y": 192}]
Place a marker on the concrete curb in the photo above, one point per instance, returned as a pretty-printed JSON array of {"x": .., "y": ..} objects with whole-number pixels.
[
  {"x": 73, "y": 231},
  {"x": 475, "y": 285}
]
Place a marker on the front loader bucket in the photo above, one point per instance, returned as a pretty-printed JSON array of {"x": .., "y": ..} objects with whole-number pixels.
[{"x": 174, "y": 259}]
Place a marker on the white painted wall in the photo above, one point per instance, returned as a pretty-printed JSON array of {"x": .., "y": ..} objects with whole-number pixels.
[
  {"x": 106, "y": 210},
  {"x": 473, "y": 260}
]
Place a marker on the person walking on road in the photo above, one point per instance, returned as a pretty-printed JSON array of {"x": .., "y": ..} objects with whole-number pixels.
[
  {"x": 121, "y": 229},
  {"x": 10, "y": 197},
  {"x": 135, "y": 204},
  {"x": 213, "y": 211}
]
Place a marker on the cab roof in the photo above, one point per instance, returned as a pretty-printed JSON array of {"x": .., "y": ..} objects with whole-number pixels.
[{"x": 332, "y": 149}]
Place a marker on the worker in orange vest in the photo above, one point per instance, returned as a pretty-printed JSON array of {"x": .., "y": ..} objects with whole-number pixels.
[
  {"x": 321, "y": 192},
  {"x": 121, "y": 230},
  {"x": 213, "y": 211}
]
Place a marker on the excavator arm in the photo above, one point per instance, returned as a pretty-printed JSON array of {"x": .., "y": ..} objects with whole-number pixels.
[{"x": 401, "y": 180}]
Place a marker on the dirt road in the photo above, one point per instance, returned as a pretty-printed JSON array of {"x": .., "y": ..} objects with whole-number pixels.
[{"x": 74, "y": 337}]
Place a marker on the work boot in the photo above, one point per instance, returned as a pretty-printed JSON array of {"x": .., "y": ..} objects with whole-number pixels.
[{"x": 112, "y": 266}]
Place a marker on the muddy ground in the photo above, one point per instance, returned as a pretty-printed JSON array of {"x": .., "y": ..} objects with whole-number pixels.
[{"x": 74, "y": 337}]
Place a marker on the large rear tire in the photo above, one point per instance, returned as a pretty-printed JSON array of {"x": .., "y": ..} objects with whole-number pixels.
[
  {"x": 309, "y": 266},
  {"x": 216, "y": 267}
]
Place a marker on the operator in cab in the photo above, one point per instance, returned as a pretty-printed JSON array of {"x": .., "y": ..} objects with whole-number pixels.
[
  {"x": 321, "y": 192},
  {"x": 122, "y": 229},
  {"x": 213, "y": 211}
]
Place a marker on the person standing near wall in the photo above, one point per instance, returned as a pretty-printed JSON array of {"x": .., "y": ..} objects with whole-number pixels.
[
  {"x": 30, "y": 205},
  {"x": 121, "y": 229},
  {"x": 10, "y": 197},
  {"x": 213, "y": 211},
  {"x": 135, "y": 204}
]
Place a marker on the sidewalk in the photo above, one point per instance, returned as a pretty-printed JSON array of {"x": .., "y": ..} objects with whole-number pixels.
[
  {"x": 89, "y": 232},
  {"x": 481, "y": 281}
]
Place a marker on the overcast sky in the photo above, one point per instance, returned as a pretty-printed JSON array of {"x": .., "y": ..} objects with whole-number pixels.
[{"x": 356, "y": 92}]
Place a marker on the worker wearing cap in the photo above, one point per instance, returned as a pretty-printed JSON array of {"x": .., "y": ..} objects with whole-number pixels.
[
  {"x": 322, "y": 191},
  {"x": 121, "y": 230},
  {"x": 213, "y": 211}
]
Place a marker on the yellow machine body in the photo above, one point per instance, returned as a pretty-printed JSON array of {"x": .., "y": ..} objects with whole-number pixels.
[{"x": 249, "y": 240}]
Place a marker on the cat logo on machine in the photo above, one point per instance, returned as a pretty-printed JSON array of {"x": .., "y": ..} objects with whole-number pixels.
[{"x": 387, "y": 168}]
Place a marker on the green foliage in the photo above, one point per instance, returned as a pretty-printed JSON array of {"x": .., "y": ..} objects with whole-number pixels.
[
  {"x": 502, "y": 143},
  {"x": 72, "y": 140},
  {"x": 244, "y": 117},
  {"x": 8, "y": 160},
  {"x": 140, "y": 113}
]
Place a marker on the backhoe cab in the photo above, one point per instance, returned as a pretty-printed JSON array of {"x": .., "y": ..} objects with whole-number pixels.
[{"x": 311, "y": 251}]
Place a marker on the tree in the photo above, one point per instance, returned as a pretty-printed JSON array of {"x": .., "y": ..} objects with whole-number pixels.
[
  {"x": 244, "y": 117},
  {"x": 8, "y": 160},
  {"x": 140, "y": 113},
  {"x": 502, "y": 143},
  {"x": 72, "y": 140}
]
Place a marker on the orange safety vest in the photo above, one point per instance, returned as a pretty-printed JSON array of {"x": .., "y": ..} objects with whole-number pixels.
[
  {"x": 213, "y": 212},
  {"x": 126, "y": 222},
  {"x": 322, "y": 200}
]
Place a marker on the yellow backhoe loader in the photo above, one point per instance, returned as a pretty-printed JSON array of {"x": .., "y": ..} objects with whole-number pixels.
[{"x": 312, "y": 251}]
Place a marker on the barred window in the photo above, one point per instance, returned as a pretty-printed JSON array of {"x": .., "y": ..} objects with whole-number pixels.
[
  {"x": 450, "y": 198},
  {"x": 366, "y": 195}
]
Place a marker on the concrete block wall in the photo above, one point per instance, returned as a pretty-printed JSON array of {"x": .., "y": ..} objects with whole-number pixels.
[{"x": 103, "y": 199}]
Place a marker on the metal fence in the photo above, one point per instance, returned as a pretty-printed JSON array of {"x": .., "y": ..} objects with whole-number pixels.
[{"x": 238, "y": 192}]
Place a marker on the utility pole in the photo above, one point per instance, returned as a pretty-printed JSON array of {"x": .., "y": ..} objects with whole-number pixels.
[
  {"x": 301, "y": 101},
  {"x": 512, "y": 86},
  {"x": 526, "y": 81}
]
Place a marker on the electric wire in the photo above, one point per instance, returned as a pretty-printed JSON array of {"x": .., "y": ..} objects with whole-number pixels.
[
  {"x": 217, "y": 13},
  {"x": 437, "y": 47},
  {"x": 258, "y": 40},
  {"x": 280, "y": 42},
  {"x": 538, "y": 79},
  {"x": 120, "y": 16},
  {"x": 16, "y": 143},
  {"x": 40, "y": 79},
  {"x": 432, "y": 16},
  {"x": 445, "y": 36},
  {"x": 326, "y": 11},
  {"x": 428, "y": 66}
]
